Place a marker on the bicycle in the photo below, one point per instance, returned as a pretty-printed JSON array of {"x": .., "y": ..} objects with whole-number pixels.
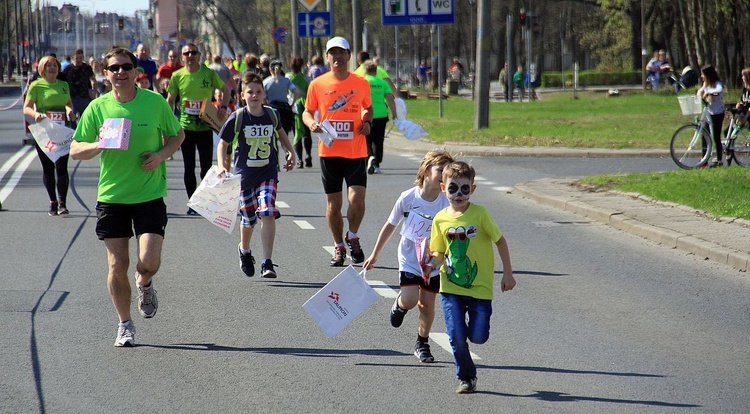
[{"x": 691, "y": 144}]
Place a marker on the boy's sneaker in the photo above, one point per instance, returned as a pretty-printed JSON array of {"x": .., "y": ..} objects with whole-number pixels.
[
  {"x": 358, "y": 256},
  {"x": 52, "y": 208},
  {"x": 371, "y": 165},
  {"x": 247, "y": 262},
  {"x": 61, "y": 209},
  {"x": 125, "y": 334},
  {"x": 467, "y": 387},
  {"x": 422, "y": 351},
  {"x": 147, "y": 303},
  {"x": 266, "y": 269},
  {"x": 339, "y": 254},
  {"x": 397, "y": 314}
]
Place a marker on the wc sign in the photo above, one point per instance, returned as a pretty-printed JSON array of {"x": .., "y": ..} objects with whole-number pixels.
[{"x": 403, "y": 12}]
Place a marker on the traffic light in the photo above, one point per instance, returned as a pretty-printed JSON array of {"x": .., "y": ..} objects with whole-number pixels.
[
  {"x": 150, "y": 23},
  {"x": 534, "y": 23},
  {"x": 121, "y": 24},
  {"x": 522, "y": 18}
]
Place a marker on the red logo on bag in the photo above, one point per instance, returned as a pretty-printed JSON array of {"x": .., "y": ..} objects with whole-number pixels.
[{"x": 334, "y": 296}]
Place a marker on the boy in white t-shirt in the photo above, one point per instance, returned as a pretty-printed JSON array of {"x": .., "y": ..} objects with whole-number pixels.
[{"x": 415, "y": 208}]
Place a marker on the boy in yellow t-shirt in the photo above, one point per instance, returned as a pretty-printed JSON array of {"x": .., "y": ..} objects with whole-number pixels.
[{"x": 461, "y": 239}]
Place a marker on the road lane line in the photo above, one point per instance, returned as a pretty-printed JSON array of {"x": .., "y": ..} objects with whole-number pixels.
[
  {"x": 16, "y": 177},
  {"x": 12, "y": 160},
  {"x": 442, "y": 340},
  {"x": 382, "y": 289},
  {"x": 503, "y": 189},
  {"x": 281, "y": 204},
  {"x": 303, "y": 224}
]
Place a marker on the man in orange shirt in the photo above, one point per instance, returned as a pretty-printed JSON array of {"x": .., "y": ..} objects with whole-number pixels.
[{"x": 343, "y": 99}]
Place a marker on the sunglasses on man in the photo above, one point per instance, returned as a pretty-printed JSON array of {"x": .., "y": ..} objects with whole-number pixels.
[
  {"x": 116, "y": 68},
  {"x": 191, "y": 53}
]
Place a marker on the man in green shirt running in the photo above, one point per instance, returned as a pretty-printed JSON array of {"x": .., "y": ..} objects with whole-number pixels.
[
  {"x": 132, "y": 181},
  {"x": 194, "y": 84}
]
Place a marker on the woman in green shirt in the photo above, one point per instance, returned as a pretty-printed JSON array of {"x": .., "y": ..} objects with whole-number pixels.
[{"x": 48, "y": 97}]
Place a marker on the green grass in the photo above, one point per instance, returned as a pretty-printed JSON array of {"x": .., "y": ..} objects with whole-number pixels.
[
  {"x": 722, "y": 192},
  {"x": 594, "y": 120}
]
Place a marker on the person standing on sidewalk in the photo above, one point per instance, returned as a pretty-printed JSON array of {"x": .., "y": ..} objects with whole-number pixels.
[
  {"x": 148, "y": 65},
  {"x": 49, "y": 97},
  {"x": 712, "y": 93},
  {"x": 415, "y": 208},
  {"x": 132, "y": 184},
  {"x": 195, "y": 84},
  {"x": 343, "y": 99},
  {"x": 80, "y": 77}
]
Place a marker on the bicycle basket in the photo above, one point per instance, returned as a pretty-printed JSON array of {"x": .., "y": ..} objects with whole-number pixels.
[{"x": 690, "y": 104}]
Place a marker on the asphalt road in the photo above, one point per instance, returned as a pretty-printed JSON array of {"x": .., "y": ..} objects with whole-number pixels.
[{"x": 601, "y": 321}]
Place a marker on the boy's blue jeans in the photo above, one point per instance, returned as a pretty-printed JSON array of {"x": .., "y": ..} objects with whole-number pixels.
[{"x": 455, "y": 309}]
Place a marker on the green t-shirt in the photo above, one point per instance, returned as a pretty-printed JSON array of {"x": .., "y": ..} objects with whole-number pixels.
[
  {"x": 122, "y": 180},
  {"x": 380, "y": 74},
  {"x": 193, "y": 89},
  {"x": 378, "y": 90},
  {"x": 300, "y": 81},
  {"x": 49, "y": 96},
  {"x": 468, "y": 242}
]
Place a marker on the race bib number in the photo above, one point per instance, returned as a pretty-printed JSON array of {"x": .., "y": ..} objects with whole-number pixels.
[
  {"x": 56, "y": 117},
  {"x": 417, "y": 226},
  {"x": 344, "y": 129},
  {"x": 193, "y": 107},
  {"x": 259, "y": 141}
]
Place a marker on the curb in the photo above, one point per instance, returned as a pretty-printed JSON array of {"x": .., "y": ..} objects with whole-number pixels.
[{"x": 616, "y": 219}]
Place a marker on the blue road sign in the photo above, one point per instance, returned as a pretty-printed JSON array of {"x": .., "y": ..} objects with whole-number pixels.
[
  {"x": 279, "y": 33},
  {"x": 314, "y": 24},
  {"x": 409, "y": 12}
]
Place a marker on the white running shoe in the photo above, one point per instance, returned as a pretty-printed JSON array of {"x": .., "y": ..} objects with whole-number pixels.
[
  {"x": 125, "y": 335},
  {"x": 147, "y": 303}
]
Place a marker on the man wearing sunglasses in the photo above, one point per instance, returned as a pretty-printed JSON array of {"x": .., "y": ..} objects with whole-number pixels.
[
  {"x": 195, "y": 84},
  {"x": 132, "y": 181}
]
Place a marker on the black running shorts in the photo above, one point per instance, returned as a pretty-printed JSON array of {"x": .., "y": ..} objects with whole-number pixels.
[
  {"x": 336, "y": 170},
  {"x": 114, "y": 221}
]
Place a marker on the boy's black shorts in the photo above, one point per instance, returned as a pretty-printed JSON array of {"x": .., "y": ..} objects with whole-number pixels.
[
  {"x": 410, "y": 279},
  {"x": 114, "y": 221}
]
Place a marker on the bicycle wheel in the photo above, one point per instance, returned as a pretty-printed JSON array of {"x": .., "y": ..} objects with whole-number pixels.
[
  {"x": 742, "y": 147},
  {"x": 690, "y": 146}
]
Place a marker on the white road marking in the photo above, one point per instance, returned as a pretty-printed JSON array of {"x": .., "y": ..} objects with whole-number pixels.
[
  {"x": 479, "y": 178},
  {"x": 281, "y": 204},
  {"x": 442, "y": 340},
  {"x": 329, "y": 249},
  {"x": 503, "y": 189},
  {"x": 303, "y": 224},
  {"x": 16, "y": 177},
  {"x": 382, "y": 289}
]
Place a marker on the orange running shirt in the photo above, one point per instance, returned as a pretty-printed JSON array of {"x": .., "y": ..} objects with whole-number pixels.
[{"x": 341, "y": 103}]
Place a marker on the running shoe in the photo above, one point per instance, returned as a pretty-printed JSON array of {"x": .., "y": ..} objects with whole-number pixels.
[
  {"x": 397, "y": 314},
  {"x": 308, "y": 162},
  {"x": 300, "y": 164},
  {"x": 266, "y": 269},
  {"x": 467, "y": 387},
  {"x": 125, "y": 335},
  {"x": 371, "y": 165},
  {"x": 147, "y": 303},
  {"x": 376, "y": 170},
  {"x": 355, "y": 249},
  {"x": 191, "y": 212},
  {"x": 61, "y": 209},
  {"x": 422, "y": 351},
  {"x": 339, "y": 254},
  {"x": 52, "y": 208},
  {"x": 247, "y": 262}
]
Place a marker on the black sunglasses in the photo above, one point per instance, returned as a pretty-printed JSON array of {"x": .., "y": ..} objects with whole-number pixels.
[
  {"x": 453, "y": 189},
  {"x": 116, "y": 68},
  {"x": 191, "y": 53}
]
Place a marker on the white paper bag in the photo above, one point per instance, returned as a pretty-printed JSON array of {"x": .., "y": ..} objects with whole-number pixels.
[
  {"x": 340, "y": 301},
  {"x": 400, "y": 109},
  {"x": 328, "y": 135},
  {"x": 410, "y": 129},
  {"x": 217, "y": 199},
  {"x": 52, "y": 138}
]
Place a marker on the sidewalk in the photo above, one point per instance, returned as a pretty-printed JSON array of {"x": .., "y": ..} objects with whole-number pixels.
[{"x": 726, "y": 240}]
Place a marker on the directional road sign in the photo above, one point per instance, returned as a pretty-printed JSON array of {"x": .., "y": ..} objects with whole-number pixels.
[
  {"x": 403, "y": 12},
  {"x": 314, "y": 24}
]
